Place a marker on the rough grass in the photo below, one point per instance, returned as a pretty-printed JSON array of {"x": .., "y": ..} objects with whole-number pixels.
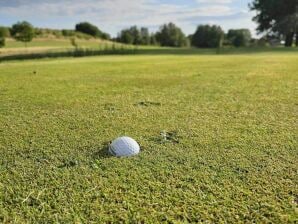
[
  {"x": 229, "y": 155},
  {"x": 44, "y": 45},
  {"x": 48, "y": 42},
  {"x": 59, "y": 48}
]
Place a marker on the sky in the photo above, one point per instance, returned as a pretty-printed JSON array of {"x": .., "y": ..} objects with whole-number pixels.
[{"x": 113, "y": 15}]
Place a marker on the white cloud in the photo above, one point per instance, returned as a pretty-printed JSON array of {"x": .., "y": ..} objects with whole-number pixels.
[
  {"x": 215, "y": 1},
  {"x": 113, "y": 15}
]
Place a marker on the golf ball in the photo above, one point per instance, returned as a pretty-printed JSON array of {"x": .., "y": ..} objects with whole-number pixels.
[{"x": 124, "y": 146}]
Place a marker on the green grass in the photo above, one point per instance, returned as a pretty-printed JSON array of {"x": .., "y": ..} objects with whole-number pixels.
[{"x": 234, "y": 117}]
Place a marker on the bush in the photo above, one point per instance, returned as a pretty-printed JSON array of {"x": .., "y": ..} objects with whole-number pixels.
[{"x": 207, "y": 36}]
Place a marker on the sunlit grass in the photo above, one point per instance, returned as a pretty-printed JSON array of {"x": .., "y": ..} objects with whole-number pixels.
[{"x": 234, "y": 158}]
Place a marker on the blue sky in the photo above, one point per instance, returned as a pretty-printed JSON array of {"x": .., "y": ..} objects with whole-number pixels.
[{"x": 113, "y": 15}]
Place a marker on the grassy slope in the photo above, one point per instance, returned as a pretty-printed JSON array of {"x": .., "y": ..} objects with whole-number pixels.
[
  {"x": 48, "y": 44},
  {"x": 39, "y": 42},
  {"x": 234, "y": 116}
]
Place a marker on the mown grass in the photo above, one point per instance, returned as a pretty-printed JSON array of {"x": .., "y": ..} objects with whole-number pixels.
[{"x": 233, "y": 156}]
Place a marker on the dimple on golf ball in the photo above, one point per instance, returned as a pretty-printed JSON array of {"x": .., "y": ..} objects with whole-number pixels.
[{"x": 124, "y": 146}]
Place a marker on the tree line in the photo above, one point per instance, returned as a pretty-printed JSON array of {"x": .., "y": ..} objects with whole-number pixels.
[
  {"x": 277, "y": 19},
  {"x": 206, "y": 36}
]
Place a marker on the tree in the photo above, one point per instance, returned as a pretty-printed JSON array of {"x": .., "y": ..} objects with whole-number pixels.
[
  {"x": 92, "y": 30},
  {"x": 88, "y": 28},
  {"x": 23, "y": 31},
  {"x": 125, "y": 37},
  {"x": 207, "y": 36},
  {"x": 171, "y": 35},
  {"x": 277, "y": 16},
  {"x": 2, "y": 39},
  {"x": 239, "y": 37},
  {"x": 4, "y": 32},
  {"x": 105, "y": 36},
  {"x": 134, "y": 35},
  {"x": 153, "y": 40},
  {"x": 145, "y": 36}
]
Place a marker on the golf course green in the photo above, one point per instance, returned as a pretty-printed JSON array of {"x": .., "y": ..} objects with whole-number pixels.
[{"x": 218, "y": 137}]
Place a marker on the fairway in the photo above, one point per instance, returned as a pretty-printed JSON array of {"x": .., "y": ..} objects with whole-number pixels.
[{"x": 230, "y": 154}]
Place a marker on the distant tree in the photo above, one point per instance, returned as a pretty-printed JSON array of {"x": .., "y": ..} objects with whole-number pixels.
[
  {"x": 2, "y": 41},
  {"x": 207, "y": 36},
  {"x": 125, "y": 37},
  {"x": 38, "y": 32},
  {"x": 145, "y": 36},
  {"x": 134, "y": 35},
  {"x": 68, "y": 33},
  {"x": 171, "y": 35},
  {"x": 23, "y": 31},
  {"x": 4, "y": 32},
  {"x": 105, "y": 36},
  {"x": 153, "y": 40},
  {"x": 2, "y": 38},
  {"x": 90, "y": 29},
  {"x": 277, "y": 16},
  {"x": 239, "y": 37},
  {"x": 190, "y": 37}
]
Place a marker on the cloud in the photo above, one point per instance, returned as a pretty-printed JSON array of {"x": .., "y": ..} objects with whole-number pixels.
[
  {"x": 103, "y": 8},
  {"x": 215, "y": 1},
  {"x": 113, "y": 15}
]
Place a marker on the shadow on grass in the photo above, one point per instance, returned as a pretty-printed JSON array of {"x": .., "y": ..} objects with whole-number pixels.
[
  {"x": 212, "y": 51},
  {"x": 62, "y": 54}
]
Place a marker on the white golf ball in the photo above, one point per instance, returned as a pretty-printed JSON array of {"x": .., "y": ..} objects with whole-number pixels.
[{"x": 124, "y": 146}]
